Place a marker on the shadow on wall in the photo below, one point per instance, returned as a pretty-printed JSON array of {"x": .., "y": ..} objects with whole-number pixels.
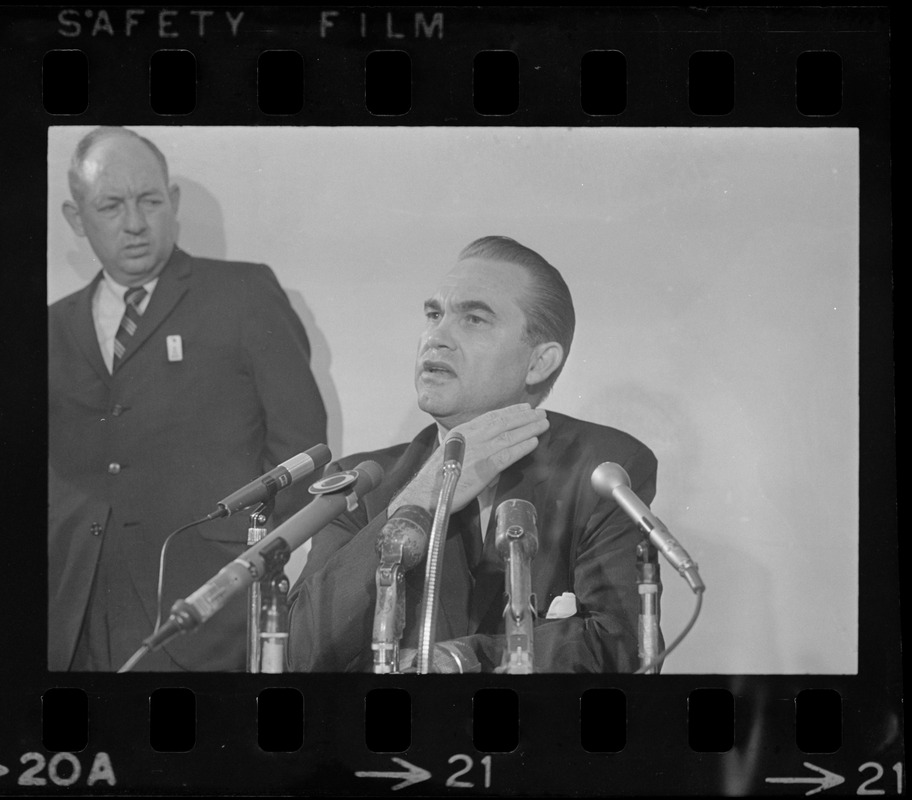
[
  {"x": 202, "y": 232},
  {"x": 738, "y": 625},
  {"x": 320, "y": 363}
]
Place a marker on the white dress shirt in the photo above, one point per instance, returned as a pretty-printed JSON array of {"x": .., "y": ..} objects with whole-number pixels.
[{"x": 108, "y": 306}]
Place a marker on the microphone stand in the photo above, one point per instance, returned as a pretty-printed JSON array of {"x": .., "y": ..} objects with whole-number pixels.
[
  {"x": 389, "y": 619},
  {"x": 518, "y": 614},
  {"x": 267, "y": 605},
  {"x": 274, "y": 617},
  {"x": 452, "y": 469},
  {"x": 255, "y": 533},
  {"x": 649, "y": 586},
  {"x": 516, "y": 540}
]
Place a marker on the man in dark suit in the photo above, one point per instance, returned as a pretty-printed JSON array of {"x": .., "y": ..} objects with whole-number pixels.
[
  {"x": 497, "y": 333},
  {"x": 161, "y": 402}
]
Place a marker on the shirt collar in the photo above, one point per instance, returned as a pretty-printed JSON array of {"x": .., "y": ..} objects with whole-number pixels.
[{"x": 119, "y": 290}]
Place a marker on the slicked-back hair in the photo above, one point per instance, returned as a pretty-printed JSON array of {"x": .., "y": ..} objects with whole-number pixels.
[
  {"x": 87, "y": 142},
  {"x": 548, "y": 306}
]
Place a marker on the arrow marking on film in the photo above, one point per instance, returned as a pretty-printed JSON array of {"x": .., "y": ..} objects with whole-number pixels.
[
  {"x": 827, "y": 779},
  {"x": 413, "y": 775}
]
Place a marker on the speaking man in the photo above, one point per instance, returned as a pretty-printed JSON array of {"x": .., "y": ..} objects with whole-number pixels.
[{"x": 497, "y": 333}]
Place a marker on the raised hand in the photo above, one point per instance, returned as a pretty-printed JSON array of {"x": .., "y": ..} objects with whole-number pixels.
[{"x": 494, "y": 441}]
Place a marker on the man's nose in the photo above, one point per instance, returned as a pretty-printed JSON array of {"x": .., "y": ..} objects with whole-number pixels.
[
  {"x": 135, "y": 220},
  {"x": 441, "y": 335}
]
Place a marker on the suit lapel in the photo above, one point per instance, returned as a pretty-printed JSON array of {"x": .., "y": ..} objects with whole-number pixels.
[
  {"x": 171, "y": 287},
  {"x": 82, "y": 326},
  {"x": 407, "y": 466},
  {"x": 518, "y": 482},
  {"x": 464, "y": 608}
]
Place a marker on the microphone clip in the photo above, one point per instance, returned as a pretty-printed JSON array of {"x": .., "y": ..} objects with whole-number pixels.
[
  {"x": 389, "y": 614},
  {"x": 335, "y": 483}
]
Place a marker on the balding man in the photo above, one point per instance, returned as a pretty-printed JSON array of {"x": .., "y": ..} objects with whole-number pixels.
[{"x": 174, "y": 380}]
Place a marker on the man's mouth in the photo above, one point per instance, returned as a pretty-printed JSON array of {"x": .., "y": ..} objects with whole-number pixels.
[{"x": 438, "y": 368}]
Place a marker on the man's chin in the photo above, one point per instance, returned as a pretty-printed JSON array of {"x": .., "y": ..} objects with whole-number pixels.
[
  {"x": 432, "y": 405},
  {"x": 140, "y": 268}
]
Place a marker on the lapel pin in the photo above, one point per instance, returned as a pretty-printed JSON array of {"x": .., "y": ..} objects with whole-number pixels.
[{"x": 175, "y": 348}]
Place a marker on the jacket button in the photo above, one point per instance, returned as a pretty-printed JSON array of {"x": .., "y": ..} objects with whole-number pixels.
[
  {"x": 114, "y": 468},
  {"x": 96, "y": 529}
]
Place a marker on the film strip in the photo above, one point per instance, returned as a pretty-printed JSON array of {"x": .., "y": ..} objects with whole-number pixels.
[{"x": 803, "y": 724}]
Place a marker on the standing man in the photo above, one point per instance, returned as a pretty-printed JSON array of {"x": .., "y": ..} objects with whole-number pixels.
[
  {"x": 173, "y": 381},
  {"x": 496, "y": 336}
]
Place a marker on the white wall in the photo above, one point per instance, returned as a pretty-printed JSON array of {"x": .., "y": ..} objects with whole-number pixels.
[{"x": 715, "y": 275}]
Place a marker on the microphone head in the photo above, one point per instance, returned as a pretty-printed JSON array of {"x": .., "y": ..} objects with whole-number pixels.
[
  {"x": 370, "y": 475},
  {"x": 607, "y": 477},
  {"x": 304, "y": 463},
  {"x": 364, "y": 478},
  {"x": 320, "y": 455},
  {"x": 516, "y": 519},
  {"x": 454, "y": 449},
  {"x": 407, "y": 528}
]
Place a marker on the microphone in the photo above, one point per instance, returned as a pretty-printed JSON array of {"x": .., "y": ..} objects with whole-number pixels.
[
  {"x": 278, "y": 478},
  {"x": 401, "y": 545},
  {"x": 404, "y": 537},
  {"x": 516, "y": 540},
  {"x": 277, "y": 546},
  {"x": 611, "y": 480},
  {"x": 453, "y": 454}
]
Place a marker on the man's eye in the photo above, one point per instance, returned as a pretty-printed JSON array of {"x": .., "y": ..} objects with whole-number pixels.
[
  {"x": 474, "y": 319},
  {"x": 433, "y": 316},
  {"x": 151, "y": 202}
]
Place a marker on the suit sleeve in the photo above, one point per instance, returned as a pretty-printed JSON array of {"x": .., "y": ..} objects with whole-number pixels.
[
  {"x": 602, "y": 635},
  {"x": 330, "y": 618},
  {"x": 278, "y": 360}
]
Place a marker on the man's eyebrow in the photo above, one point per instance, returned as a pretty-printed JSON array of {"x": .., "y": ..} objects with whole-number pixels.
[
  {"x": 116, "y": 194},
  {"x": 464, "y": 307},
  {"x": 475, "y": 305}
]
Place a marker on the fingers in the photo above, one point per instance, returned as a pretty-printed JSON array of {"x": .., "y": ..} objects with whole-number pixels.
[
  {"x": 495, "y": 441},
  {"x": 506, "y": 456},
  {"x": 503, "y": 429},
  {"x": 502, "y": 420}
]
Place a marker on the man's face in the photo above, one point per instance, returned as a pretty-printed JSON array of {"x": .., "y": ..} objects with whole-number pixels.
[
  {"x": 126, "y": 210},
  {"x": 471, "y": 356}
]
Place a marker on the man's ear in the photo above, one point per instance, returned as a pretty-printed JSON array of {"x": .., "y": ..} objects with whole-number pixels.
[
  {"x": 71, "y": 212},
  {"x": 546, "y": 357},
  {"x": 175, "y": 194}
]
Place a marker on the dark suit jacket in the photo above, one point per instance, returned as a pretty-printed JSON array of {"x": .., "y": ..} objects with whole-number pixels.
[
  {"x": 586, "y": 546},
  {"x": 157, "y": 444}
]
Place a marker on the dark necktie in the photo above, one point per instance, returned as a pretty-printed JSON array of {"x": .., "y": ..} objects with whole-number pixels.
[
  {"x": 468, "y": 524},
  {"x": 133, "y": 297}
]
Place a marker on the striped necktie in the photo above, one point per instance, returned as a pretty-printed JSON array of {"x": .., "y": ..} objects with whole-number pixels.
[{"x": 133, "y": 298}]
